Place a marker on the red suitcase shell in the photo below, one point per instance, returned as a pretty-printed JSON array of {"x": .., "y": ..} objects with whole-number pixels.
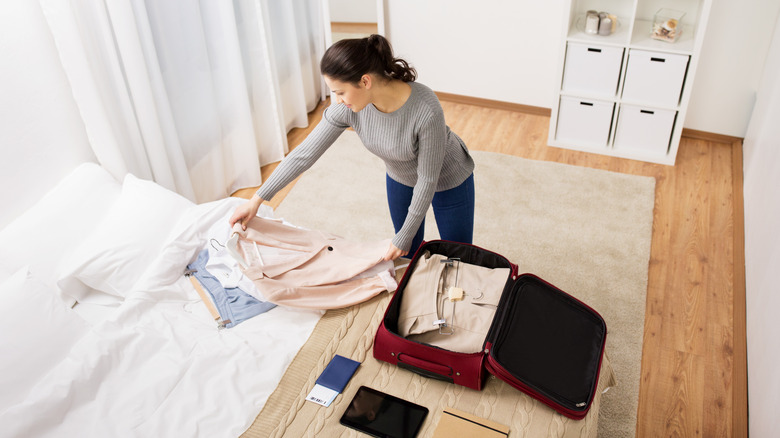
[{"x": 542, "y": 341}]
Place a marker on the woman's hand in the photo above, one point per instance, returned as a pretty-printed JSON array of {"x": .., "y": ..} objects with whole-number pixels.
[
  {"x": 246, "y": 211},
  {"x": 393, "y": 253}
]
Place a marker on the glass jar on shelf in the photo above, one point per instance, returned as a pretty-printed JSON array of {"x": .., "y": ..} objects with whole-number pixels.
[{"x": 667, "y": 25}]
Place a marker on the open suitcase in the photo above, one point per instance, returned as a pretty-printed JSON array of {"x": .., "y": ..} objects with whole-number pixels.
[{"x": 541, "y": 340}]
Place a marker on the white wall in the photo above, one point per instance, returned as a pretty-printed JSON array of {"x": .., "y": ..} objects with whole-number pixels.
[
  {"x": 503, "y": 50},
  {"x": 762, "y": 249},
  {"x": 732, "y": 59},
  {"x": 41, "y": 133},
  {"x": 508, "y": 50},
  {"x": 353, "y": 11}
]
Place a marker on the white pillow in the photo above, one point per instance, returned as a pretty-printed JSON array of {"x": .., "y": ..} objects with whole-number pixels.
[
  {"x": 38, "y": 331},
  {"x": 125, "y": 244},
  {"x": 186, "y": 240},
  {"x": 50, "y": 230}
]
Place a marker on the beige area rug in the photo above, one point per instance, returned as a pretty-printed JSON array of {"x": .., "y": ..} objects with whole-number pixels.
[{"x": 586, "y": 231}]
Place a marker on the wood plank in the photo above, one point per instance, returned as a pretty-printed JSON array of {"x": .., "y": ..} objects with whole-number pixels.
[
  {"x": 719, "y": 294},
  {"x": 719, "y": 381},
  {"x": 350, "y": 27},
  {"x": 693, "y": 376}
]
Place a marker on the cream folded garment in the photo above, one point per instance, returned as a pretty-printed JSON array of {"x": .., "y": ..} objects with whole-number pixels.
[{"x": 429, "y": 316}]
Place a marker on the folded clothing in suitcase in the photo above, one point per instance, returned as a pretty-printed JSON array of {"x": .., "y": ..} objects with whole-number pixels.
[
  {"x": 541, "y": 341},
  {"x": 450, "y": 304}
]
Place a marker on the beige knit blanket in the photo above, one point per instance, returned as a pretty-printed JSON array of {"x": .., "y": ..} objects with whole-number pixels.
[{"x": 350, "y": 333}]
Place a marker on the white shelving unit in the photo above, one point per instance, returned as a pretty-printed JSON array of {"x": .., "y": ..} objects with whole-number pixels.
[{"x": 626, "y": 94}]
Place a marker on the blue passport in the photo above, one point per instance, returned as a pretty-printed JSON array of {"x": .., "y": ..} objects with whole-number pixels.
[{"x": 333, "y": 380}]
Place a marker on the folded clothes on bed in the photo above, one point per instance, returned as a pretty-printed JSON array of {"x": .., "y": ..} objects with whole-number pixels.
[{"x": 287, "y": 265}]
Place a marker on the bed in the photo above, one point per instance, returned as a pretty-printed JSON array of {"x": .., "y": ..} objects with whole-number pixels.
[
  {"x": 104, "y": 335},
  {"x": 139, "y": 355}
]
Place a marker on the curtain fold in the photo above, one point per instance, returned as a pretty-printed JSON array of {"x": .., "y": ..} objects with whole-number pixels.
[{"x": 193, "y": 94}]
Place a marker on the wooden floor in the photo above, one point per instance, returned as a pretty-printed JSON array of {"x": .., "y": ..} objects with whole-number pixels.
[
  {"x": 690, "y": 358},
  {"x": 357, "y": 28}
]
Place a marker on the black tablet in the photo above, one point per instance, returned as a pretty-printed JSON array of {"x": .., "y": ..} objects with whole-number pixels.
[{"x": 383, "y": 415}]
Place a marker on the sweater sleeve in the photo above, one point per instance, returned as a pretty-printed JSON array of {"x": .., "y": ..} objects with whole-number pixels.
[
  {"x": 307, "y": 153},
  {"x": 431, "y": 150}
]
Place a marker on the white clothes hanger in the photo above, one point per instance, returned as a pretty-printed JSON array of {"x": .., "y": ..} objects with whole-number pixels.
[{"x": 232, "y": 247}]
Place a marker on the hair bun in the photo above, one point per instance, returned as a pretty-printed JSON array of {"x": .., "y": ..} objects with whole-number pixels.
[
  {"x": 347, "y": 60},
  {"x": 380, "y": 45}
]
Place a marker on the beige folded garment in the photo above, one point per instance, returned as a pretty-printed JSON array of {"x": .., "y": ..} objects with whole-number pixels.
[{"x": 428, "y": 315}]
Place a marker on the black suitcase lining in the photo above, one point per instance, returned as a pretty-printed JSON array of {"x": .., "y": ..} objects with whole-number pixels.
[{"x": 550, "y": 342}]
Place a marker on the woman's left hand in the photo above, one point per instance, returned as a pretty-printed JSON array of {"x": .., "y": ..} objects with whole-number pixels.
[{"x": 393, "y": 253}]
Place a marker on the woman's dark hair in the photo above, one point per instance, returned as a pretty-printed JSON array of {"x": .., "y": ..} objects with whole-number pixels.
[{"x": 348, "y": 60}]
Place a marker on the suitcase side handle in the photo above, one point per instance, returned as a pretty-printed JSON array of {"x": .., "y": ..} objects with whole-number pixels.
[{"x": 425, "y": 368}]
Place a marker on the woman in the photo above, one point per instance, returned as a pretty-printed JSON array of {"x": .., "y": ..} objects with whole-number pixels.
[{"x": 401, "y": 122}]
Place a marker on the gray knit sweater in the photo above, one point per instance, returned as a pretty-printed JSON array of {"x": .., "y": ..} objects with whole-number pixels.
[{"x": 418, "y": 149}]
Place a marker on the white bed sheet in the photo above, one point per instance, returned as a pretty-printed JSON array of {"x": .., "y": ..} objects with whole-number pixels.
[{"x": 156, "y": 364}]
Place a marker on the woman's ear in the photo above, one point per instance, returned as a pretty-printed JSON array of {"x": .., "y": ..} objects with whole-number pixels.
[{"x": 366, "y": 81}]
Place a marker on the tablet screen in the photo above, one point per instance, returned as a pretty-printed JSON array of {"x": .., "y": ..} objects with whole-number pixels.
[{"x": 383, "y": 415}]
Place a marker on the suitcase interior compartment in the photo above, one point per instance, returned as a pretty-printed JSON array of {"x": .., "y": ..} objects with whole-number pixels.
[
  {"x": 466, "y": 253},
  {"x": 546, "y": 341}
]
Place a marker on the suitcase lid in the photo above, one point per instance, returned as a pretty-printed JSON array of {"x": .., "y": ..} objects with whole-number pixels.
[{"x": 547, "y": 343}]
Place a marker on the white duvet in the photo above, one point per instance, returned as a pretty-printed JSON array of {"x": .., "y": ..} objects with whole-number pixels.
[
  {"x": 141, "y": 356},
  {"x": 162, "y": 368}
]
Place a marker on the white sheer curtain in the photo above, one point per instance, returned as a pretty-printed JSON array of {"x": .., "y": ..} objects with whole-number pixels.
[{"x": 193, "y": 94}]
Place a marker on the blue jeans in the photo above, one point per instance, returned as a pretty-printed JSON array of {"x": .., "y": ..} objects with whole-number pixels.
[
  {"x": 233, "y": 304},
  {"x": 453, "y": 210}
]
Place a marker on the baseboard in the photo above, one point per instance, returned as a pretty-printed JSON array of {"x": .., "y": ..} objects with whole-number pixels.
[
  {"x": 541, "y": 111},
  {"x": 495, "y": 104},
  {"x": 710, "y": 136},
  {"x": 740, "y": 376}
]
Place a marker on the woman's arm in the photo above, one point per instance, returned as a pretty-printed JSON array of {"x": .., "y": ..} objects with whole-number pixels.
[
  {"x": 298, "y": 161},
  {"x": 305, "y": 155}
]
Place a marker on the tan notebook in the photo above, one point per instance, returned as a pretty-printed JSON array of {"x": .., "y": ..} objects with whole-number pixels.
[{"x": 455, "y": 423}]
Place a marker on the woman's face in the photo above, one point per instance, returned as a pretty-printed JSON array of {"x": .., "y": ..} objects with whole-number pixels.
[{"x": 354, "y": 96}]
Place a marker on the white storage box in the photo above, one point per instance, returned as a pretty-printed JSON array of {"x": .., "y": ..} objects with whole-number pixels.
[
  {"x": 584, "y": 122},
  {"x": 644, "y": 129},
  {"x": 592, "y": 70},
  {"x": 654, "y": 78}
]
